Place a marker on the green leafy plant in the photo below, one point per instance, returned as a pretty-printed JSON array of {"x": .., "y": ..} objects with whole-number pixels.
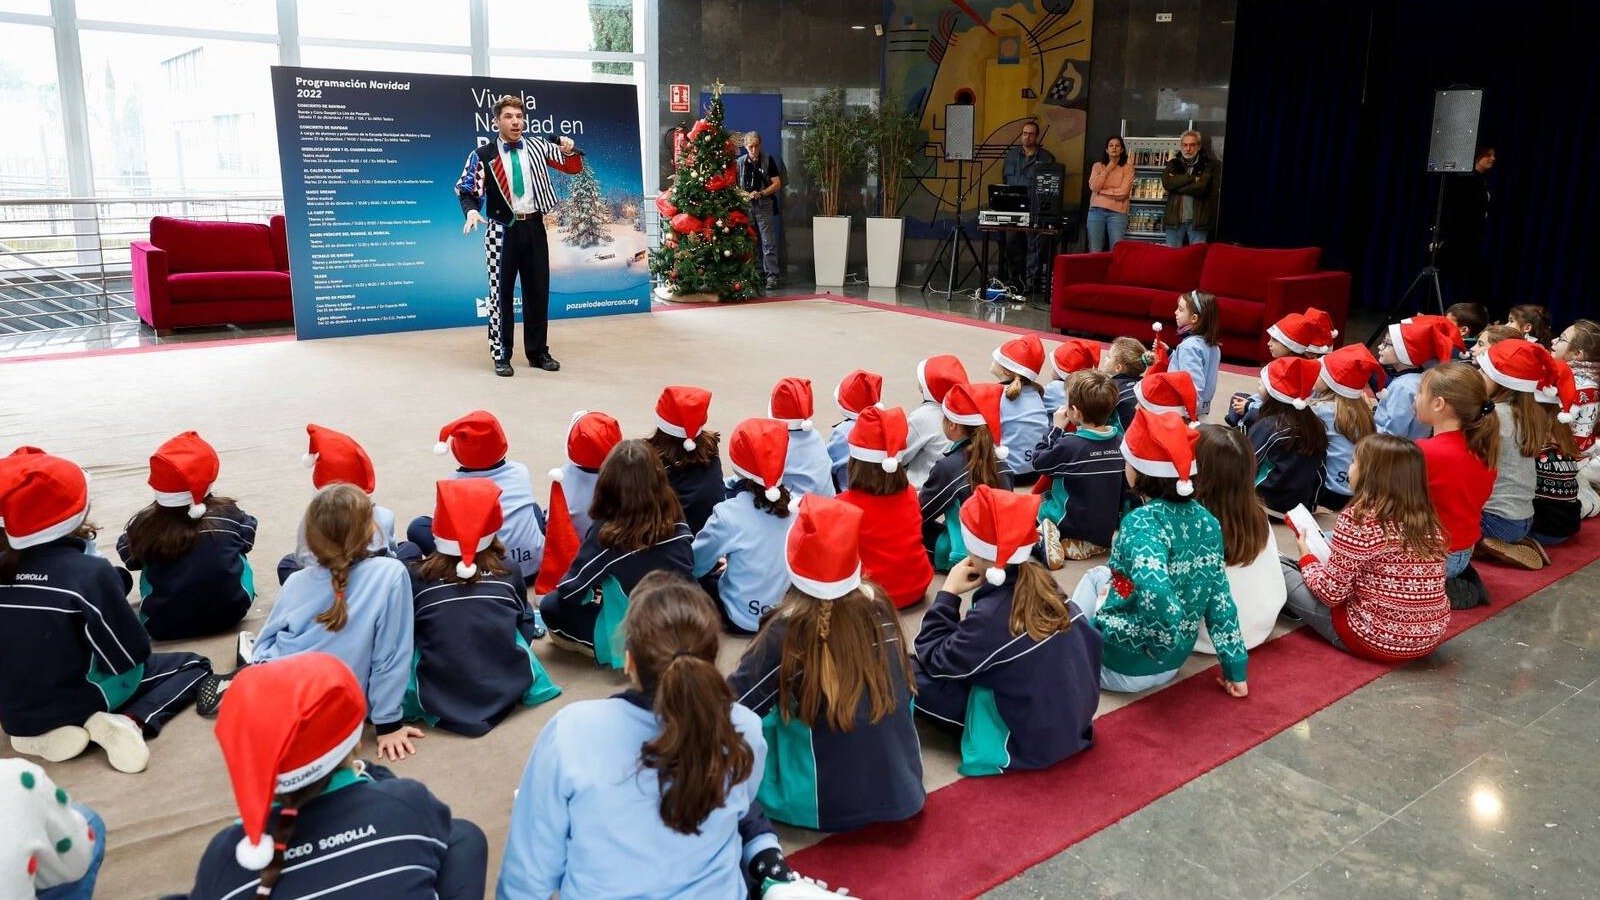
[
  {"x": 896, "y": 136},
  {"x": 831, "y": 147}
]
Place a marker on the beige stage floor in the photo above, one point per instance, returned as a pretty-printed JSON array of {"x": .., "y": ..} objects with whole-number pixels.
[{"x": 253, "y": 400}]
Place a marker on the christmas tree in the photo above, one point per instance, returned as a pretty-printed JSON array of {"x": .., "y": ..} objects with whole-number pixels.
[
  {"x": 587, "y": 213},
  {"x": 709, "y": 244}
]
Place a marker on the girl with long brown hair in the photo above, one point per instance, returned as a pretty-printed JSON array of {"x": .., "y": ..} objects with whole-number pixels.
[
  {"x": 1341, "y": 402},
  {"x": 829, "y": 676},
  {"x": 1290, "y": 444},
  {"x": 1515, "y": 372},
  {"x": 1018, "y": 365},
  {"x": 1226, "y": 468},
  {"x": 638, "y": 528},
  {"x": 972, "y": 423},
  {"x": 1019, "y": 675},
  {"x": 645, "y": 793},
  {"x": 1461, "y": 456},
  {"x": 349, "y": 603},
  {"x": 1380, "y": 593}
]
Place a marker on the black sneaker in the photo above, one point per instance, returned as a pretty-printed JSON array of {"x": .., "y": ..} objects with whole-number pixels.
[
  {"x": 546, "y": 362},
  {"x": 503, "y": 369},
  {"x": 244, "y": 653},
  {"x": 209, "y": 699}
]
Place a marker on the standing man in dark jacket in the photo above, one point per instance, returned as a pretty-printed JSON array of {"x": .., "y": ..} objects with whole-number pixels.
[
  {"x": 1465, "y": 218},
  {"x": 1024, "y": 251},
  {"x": 1191, "y": 183}
]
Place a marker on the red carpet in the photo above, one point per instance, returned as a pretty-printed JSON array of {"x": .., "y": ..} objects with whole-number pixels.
[{"x": 980, "y": 832}]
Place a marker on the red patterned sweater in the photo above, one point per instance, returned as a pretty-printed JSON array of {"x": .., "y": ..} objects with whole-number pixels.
[{"x": 1388, "y": 604}]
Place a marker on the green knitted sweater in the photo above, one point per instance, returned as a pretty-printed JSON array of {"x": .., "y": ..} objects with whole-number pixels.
[{"x": 1167, "y": 573}]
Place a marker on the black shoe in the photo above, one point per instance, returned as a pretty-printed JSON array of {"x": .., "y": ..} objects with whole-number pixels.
[
  {"x": 209, "y": 698},
  {"x": 546, "y": 362},
  {"x": 503, "y": 369},
  {"x": 772, "y": 282}
]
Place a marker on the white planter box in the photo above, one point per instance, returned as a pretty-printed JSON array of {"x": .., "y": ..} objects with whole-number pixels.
[
  {"x": 830, "y": 241},
  {"x": 885, "y": 237}
]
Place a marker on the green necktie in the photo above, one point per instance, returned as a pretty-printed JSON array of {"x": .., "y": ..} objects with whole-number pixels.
[{"x": 516, "y": 173}]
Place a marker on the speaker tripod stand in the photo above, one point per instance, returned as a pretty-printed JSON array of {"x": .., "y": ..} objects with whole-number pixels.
[
  {"x": 1427, "y": 280},
  {"x": 953, "y": 244}
]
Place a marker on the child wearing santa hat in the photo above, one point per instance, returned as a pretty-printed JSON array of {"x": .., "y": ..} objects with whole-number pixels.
[
  {"x": 1071, "y": 355},
  {"x": 972, "y": 424},
  {"x": 75, "y": 664},
  {"x": 892, "y": 554},
  {"x": 1516, "y": 372},
  {"x": 478, "y": 445},
  {"x": 1123, "y": 360},
  {"x": 1018, "y": 676},
  {"x": 638, "y": 528},
  {"x": 738, "y": 554},
  {"x": 689, "y": 451},
  {"x": 336, "y": 458},
  {"x": 590, "y": 437},
  {"x": 1166, "y": 573},
  {"x": 925, "y": 440},
  {"x": 828, "y": 675},
  {"x": 348, "y": 603},
  {"x": 1308, "y": 335},
  {"x": 1290, "y": 443},
  {"x": 474, "y": 628},
  {"x": 1023, "y": 417},
  {"x": 189, "y": 546},
  {"x": 1410, "y": 348},
  {"x": 1080, "y": 511},
  {"x": 50, "y": 847},
  {"x": 314, "y": 820},
  {"x": 1461, "y": 457},
  {"x": 1168, "y": 392},
  {"x": 807, "y": 469},
  {"x": 1558, "y": 501},
  {"x": 1341, "y": 403},
  {"x": 856, "y": 391}
]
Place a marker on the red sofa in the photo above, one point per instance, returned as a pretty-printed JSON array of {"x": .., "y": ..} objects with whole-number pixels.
[
  {"x": 211, "y": 273},
  {"x": 1122, "y": 292}
]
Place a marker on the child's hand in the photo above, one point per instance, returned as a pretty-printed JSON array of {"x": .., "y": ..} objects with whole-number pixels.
[
  {"x": 1300, "y": 542},
  {"x": 963, "y": 577},
  {"x": 1238, "y": 405},
  {"x": 396, "y": 745},
  {"x": 1236, "y": 689},
  {"x": 1060, "y": 420},
  {"x": 1372, "y": 402}
]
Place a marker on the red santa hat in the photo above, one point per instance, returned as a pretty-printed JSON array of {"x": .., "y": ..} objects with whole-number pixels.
[
  {"x": 182, "y": 471},
  {"x": 45, "y": 498},
  {"x": 1162, "y": 445},
  {"x": 974, "y": 405},
  {"x": 936, "y": 375},
  {"x": 466, "y": 516},
  {"x": 1522, "y": 366},
  {"x": 11, "y": 469},
  {"x": 1566, "y": 396},
  {"x": 681, "y": 411},
  {"x": 1309, "y": 332},
  {"x": 1022, "y": 355},
  {"x": 590, "y": 438},
  {"x": 284, "y": 725},
  {"x": 1350, "y": 369},
  {"x": 824, "y": 547},
  {"x": 1074, "y": 355},
  {"x": 879, "y": 436},
  {"x": 1291, "y": 380},
  {"x": 857, "y": 391},
  {"x": 1169, "y": 392},
  {"x": 475, "y": 441},
  {"x": 757, "y": 450},
  {"x": 1421, "y": 340},
  {"x": 1000, "y": 526},
  {"x": 561, "y": 540},
  {"x": 335, "y": 458},
  {"x": 793, "y": 403}
]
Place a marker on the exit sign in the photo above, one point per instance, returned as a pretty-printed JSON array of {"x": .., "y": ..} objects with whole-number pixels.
[
  {"x": 1163, "y": 17},
  {"x": 678, "y": 98}
]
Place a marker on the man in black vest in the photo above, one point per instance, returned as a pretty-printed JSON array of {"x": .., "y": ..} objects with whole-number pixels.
[{"x": 509, "y": 176}]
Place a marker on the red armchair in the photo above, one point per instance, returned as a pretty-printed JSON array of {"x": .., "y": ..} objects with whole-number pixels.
[
  {"x": 1122, "y": 292},
  {"x": 211, "y": 273}
]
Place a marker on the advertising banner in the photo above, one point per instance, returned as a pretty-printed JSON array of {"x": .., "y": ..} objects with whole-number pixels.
[{"x": 370, "y": 165}]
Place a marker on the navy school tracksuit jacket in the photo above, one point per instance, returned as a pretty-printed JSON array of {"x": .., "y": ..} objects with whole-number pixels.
[
  {"x": 1031, "y": 703},
  {"x": 205, "y": 591},
  {"x": 570, "y": 610},
  {"x": 699, "y": 490},
  {"x": 369, "y": 835},
  {"x": 947, "y": 483},
  {"x": 1086, "y": 469},
  {"x": 833, "y": 780},
  {"x": 471, "y": 663},
  {"x": 70, "y": 645}
]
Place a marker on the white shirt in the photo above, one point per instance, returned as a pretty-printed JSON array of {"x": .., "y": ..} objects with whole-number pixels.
[{"x": 537, "y": 193}]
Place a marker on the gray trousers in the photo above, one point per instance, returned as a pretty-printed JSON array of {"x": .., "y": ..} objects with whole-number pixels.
[
  {"x": 766, "y": 224},
  {"x": 1317, "y": 616}
]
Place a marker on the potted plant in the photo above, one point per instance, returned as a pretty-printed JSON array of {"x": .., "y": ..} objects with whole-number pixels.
[
  {"x": 895, "y": 135},
  {"x": 830, "y": 148}
]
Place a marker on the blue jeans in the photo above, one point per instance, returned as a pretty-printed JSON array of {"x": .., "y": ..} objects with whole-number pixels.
[
  {"x": 1502, "y": 529},
  {"x": 1185, "y": 233},
  {"x": 1106, "y": 228},
  {"x": 1456, "y": 563},
  {"x": 1088, "y": 595},
  {"x": 83, "y": 888}
]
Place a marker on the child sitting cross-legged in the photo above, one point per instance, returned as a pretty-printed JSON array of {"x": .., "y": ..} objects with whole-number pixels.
[
  {"x": 972, "y": 423},
  {"x": 856, "y": 391},
  {"x": 926, "y": 443},
  {"x": 807, "y": 469},
  {"x": 738, "y": 555},
  {"x": 1307, "y": 335},
  {"x": 1290, "y": 442},
  {"x": 892, "y": 554},
  {"x": 688, "y": 452},
  {"x": 1082, "y": 457},
  {"x": 1341, "y": 404},
  {"x": 1225, "y": 468},
  {"x": 1410, "y": 348},
  {"x": 1123, "y": 360},
  {"x": 1070, "y": 356},
  {"x": 336, "y": 458}
]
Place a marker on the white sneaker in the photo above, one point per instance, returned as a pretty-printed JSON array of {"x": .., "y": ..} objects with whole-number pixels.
[
  {"x": 56, "y": 745},
  {"x": 121, "y": 738},
  {"x": 801, "y": 888},
  {"x": 247, "y": 648}
]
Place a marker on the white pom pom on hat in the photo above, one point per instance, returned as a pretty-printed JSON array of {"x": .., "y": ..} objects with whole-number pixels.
[
  {"x": 1001, "y": 451},
  {"x": 309, "y": 460},
  {"x": 996, "y": 575},
  {"x": 466, "y": 569},
  {"x": 772, "y": 494},
  {"x": 688, "y": 444},
  {"x": 253, "y": 856},
  {"x": 1564, "y": 417},
  {"x": 441, "y": 448},
  {"x": 197, "y": 510},
  {"x": 805, "y": 425},
  {"x": 557, "y": 475},
  {"x": 890, "y": 464},
  {"x": 1185, "y": 487},
  {"x": 1299, "y": 403}
]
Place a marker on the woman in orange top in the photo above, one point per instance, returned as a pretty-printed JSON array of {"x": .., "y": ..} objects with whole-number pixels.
[{"x": 1110, "y": 184}]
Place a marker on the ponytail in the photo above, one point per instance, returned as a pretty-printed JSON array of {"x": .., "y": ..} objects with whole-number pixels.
[
  {"x": 982, "y": 467},
  {"x": 672, "y": 634},
  {"x": 1037, "y": 604},
  {"x": 1483, "y": 434},
  {"x": 835, "y": 653},
  {"x": 337, "y": 615},
  {"x": 1014, "y": 387},
  {"x": 1461, "y": 388},
  {"x": 338, "y": 531},
  {"x": 283, "y": 830}
]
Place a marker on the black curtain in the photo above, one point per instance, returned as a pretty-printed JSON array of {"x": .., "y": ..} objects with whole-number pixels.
[{"x": 1330, "y": 111}]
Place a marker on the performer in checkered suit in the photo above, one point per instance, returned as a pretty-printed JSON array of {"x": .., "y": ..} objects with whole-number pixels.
[{"x": 505, "y": 175}]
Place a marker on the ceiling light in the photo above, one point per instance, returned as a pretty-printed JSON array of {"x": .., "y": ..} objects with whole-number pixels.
[{"x": 858, "y": 28}]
